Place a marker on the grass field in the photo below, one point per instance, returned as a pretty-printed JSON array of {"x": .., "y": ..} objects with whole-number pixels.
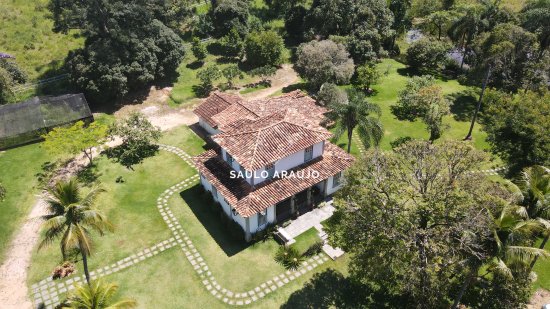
[
  {"x": 176, "y": 285},
  {"x": 131, "y": 207},
  {"x": 18, "y": 168},
  {"x": 183, "y": 93},
  {"x": 27, "y": 34}
]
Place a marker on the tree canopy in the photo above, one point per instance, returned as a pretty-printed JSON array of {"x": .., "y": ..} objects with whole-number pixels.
[
  {"x": 127, "y": 45},
  {"x": 518, "y": 126},
  {"x": 75, "y": 139},
  {"x": 324, "y": 61}
]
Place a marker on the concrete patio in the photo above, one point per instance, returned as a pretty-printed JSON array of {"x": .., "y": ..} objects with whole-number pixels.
[{"x": 310, "y": 220}]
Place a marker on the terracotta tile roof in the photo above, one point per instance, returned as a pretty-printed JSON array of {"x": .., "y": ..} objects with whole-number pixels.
[
  {"x": 295, "y": 99},
  {"x": 215, "y": 104},
  {"x": 235, "y": 113},
  {"x": 248, "y": 200},
  {"x": 221, "y": 110},
  {"x": 263, "y": 141}
]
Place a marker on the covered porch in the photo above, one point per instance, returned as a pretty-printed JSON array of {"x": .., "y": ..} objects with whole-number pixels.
[{"x": 301, "y": 202}]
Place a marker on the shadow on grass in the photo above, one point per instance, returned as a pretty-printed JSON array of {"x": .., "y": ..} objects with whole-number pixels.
[
  {"x": 463, "y": 104},
  {"x": 211, "y": 221},
  {"x": 195, "y": 65},
  {"x": 298, "y": 86},
  {"x": 330, "y": 289}
]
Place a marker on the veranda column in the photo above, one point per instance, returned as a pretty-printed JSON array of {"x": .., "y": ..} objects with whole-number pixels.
[
  {"x": 325, "y": 188},
  {"x": 309, "y": 196},
  {"x": 293, "y": 204},
  {"x": 247, "y": 234}
]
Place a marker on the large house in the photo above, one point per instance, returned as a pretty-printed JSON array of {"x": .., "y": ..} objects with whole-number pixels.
[{"x": 274, "y": 159}]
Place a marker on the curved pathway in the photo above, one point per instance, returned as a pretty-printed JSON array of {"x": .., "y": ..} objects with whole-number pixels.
[{"x": 52, "y": 292}]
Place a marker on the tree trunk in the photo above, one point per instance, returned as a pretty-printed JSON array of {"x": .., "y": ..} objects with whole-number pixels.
[
  {"x": 89, "y": 155},
  {"x": 542, "y": 244},
  {"x": 465, "y": 285},
  {"x": 350, "y": 135},
  {"x": 474, "y": 118},
  {"x": 85, "y": 265}
]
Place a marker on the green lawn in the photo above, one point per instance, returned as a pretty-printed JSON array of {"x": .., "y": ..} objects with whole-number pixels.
[
  {"x": 27, "y": 34},
  {"x": 131, "y": 206},
  {"x": 169, "y": 281},
  {"x": 305, "y": 240},
  {"x": 542, "y": 269},
  {"x": 18, "y": 168},
  {"x": 386, "y": 92},
  {"x": 182, "y": 92}
]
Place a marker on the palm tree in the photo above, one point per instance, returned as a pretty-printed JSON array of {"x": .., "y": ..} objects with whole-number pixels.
[
  {"x": 96, "y": 295},
  {"x": 534, "y": 184},
  {"x": 71, "y": 218},
  {"x": 464, "y": 30},
  {"x": 356, "y": 113},
  {"x": 510, "y": 227}
]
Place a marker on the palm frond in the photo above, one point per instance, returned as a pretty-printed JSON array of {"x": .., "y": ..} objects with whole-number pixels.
[{"x": 525, "y": 254}]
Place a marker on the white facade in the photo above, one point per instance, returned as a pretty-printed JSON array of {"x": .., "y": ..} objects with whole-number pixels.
[
  {"x": 249, "y": 225},
  {"x": 207, "y": 127},
  {"x": 283, "y": 164}
]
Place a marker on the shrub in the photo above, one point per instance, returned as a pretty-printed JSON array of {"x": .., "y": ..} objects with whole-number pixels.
[
  {"x": 396, "y": 143},
  {"x": 289, "y": 258},
  {"x": 264, "y": 48},
  {"x": 199, "y": 49},
  {"x": 63, "y": 270},
  {"x": 314, "y": 249},
  {"x": 427, "y": 54}
]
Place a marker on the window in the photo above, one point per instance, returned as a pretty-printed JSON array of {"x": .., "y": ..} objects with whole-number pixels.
[
  {"x": 228, "y": 158},
  {"x": 262, "y": 218},
  {"x": 308, "y": 155},
  {"x": 215, "y": 193},
  {"x": 336, "y": 180},
  {"x": 270, "y": 170}
]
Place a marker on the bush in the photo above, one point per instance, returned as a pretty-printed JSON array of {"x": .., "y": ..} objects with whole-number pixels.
[
  {"x": 63, "y": 270},
  {"x": 199, "y": 49},
  {"x": 264, "y": 49},
  {"x": 232, "y": 44},
  {"x": 314, "y": 249},
  {"x": 289, "y": 258},
  {"x": 427, "y": 54},
  {"x": 396, "y": 143}
]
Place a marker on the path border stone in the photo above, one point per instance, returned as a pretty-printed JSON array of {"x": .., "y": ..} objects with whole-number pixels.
[{"x": 51, "y": 293}]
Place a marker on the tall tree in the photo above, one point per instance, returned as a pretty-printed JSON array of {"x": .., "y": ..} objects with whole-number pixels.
[
  {"x": 517, "y": 127},
  {"x": 71, "y": 219},
  {"x": 96, "y": 295},
  {"x": 510, "y": 52},
  {"x": 264, "y": 48},
  {"x": 414, "y": 208},
  {"x": 466, "y": 28},
  {"x": 325, "y": 61},
  {"x": 358, "y": 113},
  {"x": 127, "y": 46},
  {"x": 230, "y": 14},
  {"x": 535, "y": 17},
  {"x": 507, "y": 253}
]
